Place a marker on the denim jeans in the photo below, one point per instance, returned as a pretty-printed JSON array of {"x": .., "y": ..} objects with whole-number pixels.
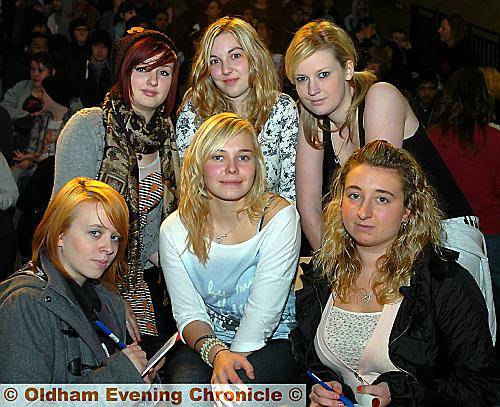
[{"x": 271, "y": 364}]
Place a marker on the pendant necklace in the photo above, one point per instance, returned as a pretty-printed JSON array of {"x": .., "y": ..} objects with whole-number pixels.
[
  {"x": 220, "y": 238},
  {"x": 337, "y": 156},
  {"x": 366, "y": 296}
]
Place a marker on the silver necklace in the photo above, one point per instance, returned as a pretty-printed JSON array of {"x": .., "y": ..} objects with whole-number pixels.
[
  {"x": 337, "y": 156},
  {"x": 366, "y": 296},
  {"x": 220, "y": 238}
]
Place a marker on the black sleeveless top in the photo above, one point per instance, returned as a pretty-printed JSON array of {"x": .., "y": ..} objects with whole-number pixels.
[{"x": 450, "y": 196}]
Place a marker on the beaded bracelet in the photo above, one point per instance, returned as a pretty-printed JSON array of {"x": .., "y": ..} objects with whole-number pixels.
[
  {"x": 201, "y": 338},
  {"x": 207, "y": 346}
]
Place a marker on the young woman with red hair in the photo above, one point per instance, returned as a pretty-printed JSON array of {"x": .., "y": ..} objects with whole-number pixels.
[{"x": 128, "y": 143}]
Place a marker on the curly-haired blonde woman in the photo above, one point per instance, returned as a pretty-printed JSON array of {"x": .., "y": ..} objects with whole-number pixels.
[
  {"x": 229, "y": 254},
  {"x": 385, "y": 310},
  {"x": 234, "y": 72}
]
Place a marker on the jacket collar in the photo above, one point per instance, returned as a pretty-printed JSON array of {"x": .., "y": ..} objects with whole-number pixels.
[{"x": 58, "y": 298}]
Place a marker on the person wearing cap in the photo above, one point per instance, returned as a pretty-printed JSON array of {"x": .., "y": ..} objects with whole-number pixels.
[
  {"x": 46, "y": 127},
  {"x": 129, "y": 143},
  {"x": 97, "y": 79}
]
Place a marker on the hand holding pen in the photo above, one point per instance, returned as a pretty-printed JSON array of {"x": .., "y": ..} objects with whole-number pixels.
[
  {"x": 327, "y": 394},
  {"x": 133, "y": 351}
]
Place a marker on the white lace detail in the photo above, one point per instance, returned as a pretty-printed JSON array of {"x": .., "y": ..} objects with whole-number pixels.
[{"x": 346, "y": 334}]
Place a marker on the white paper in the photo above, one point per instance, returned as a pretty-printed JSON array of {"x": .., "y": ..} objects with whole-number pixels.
[{"x": 162, "y": 352}]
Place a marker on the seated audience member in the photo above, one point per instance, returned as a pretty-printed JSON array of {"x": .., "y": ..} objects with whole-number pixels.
[
  {"x": 50, "y": 307},
  {"x": 426, "y": 98},
  {"x": 454, "y": 50},
  {"x": 79, "y": 49},
  {"x": 229, "y": 255},
  {"x": 25, "y": 97},
  {"x": 385, "y": 311},
  {"x": 126, "y": 11},
  {"x": 8, "y": 197},
  {"x": 168, "y": 23},
  {"x": 17, "y": 62},
  {"x": 379, "y": 62},
  {"x": 46, "y": 128},
  {"x": 364, "y": 38},
  {"x": 54, "y": 20},
  {"x": 97, "y": 76},
  {"x": 404, "y": 59},
  {"x": 470, "y": 147}
]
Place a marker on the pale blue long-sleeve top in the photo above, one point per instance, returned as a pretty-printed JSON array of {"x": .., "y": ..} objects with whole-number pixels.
[{"x": 244, "y": 291}]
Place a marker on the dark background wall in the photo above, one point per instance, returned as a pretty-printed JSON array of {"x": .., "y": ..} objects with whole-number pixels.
[{"x": 392, "y": 14}]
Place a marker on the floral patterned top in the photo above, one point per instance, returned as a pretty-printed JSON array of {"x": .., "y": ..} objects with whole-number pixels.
[{"x": 278, "y": 141}]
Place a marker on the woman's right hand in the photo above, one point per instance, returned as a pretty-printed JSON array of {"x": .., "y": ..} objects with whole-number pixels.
[
  {"x": 321, "y": 397},
  {"x": 225, "y": 365},
  {"x": 137, "y": 356}
]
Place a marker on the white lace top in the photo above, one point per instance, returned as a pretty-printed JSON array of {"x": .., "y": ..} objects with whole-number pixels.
[
  {"x": 355, "y": 345},
  {"x": 346, "y": 333}
]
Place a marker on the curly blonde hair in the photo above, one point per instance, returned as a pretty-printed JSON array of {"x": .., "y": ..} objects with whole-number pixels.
[
  {"x": 337, "y": 258},
  {"x": 264, "y": 83},
  {"x": 324, "y": 35},
  {"x": 193, "y": 206}
]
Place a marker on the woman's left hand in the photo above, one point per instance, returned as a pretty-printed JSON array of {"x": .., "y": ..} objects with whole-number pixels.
[
  {"x": 132, "y": 327},
  {"x": 381, "y": 391},
  {"x": 225, "y": 366},
  {"x": 151, "y": 376}
]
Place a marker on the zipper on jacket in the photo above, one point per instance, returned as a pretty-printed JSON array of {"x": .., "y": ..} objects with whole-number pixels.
[{"x": 394, "y": 340}]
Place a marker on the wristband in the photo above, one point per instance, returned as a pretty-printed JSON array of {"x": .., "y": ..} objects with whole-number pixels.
[
  {"x": 216, "y": 353},
  {"x": 200, "y": 339}
]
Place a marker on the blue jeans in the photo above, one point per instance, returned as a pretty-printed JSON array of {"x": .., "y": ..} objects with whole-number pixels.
[{"x": 271, "y": 364}]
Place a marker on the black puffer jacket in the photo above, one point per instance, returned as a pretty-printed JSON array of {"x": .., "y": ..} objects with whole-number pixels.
[{"x": 440, "y": 340}]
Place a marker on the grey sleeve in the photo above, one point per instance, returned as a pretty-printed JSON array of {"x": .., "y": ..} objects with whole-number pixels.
[
  {"x": 31, "y": 339},
  {"x": 27, "y": 345},
  {"x": 12, "y": 100},
  {"x": 80, "y": 148},
  {"x": 8, "y": 188}
]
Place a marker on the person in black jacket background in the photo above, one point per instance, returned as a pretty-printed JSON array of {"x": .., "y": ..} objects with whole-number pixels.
[{"x": 384, "y": 310}]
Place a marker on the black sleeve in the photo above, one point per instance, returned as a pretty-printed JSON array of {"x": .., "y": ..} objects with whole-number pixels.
[{"x": 468, "y": 374}]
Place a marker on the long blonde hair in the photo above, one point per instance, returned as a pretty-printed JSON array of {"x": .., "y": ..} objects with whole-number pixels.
[
  {"x": 264, "y": 81},
  {"x": 193, "y": 206},
  {"x": 61, "y": 212},
  {"x": 324, "y": 35},
  {"x": 337, "y": 258}
]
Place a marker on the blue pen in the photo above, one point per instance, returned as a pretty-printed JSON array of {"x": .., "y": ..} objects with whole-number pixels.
[
  {"x": 106, "y": 331},
  {"x": 342, "y": 398}
]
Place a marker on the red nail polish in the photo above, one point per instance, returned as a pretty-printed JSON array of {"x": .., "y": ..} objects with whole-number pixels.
[
  {"x": 375, "y": 402},
  {"x": 359, "y": 388}
]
